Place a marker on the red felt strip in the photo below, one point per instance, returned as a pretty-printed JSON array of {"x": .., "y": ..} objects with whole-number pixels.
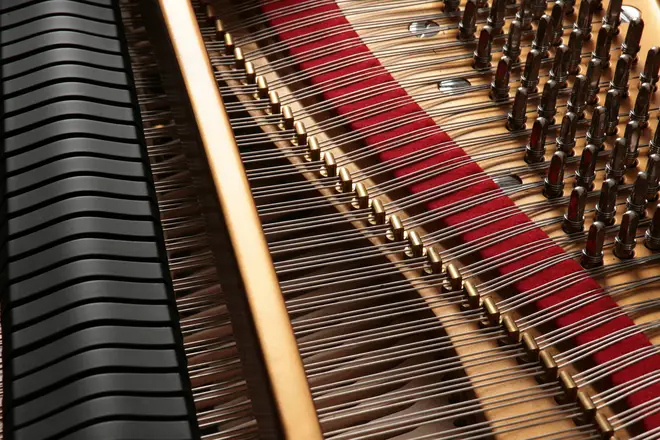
[{"x": 386, "y": 112}]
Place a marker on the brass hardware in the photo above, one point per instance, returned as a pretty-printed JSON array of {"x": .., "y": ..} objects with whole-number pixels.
[
  {"x": 313, "y": 149},
  {"x": 345, "y": 181},
  {"x": 511, "y": 329},
  {"x": 287, "y": 117},
  {"x": 262, "y": 87},
  {"x": 377, "y": 212},
  {"x": 550, "y": 369},
  {"x": 454, "y": 279},
  {"x": 491, "y": 311},
  {"x": 416, "y": 246},
  {"x": 210, "y": 12},
  {"x": 301, "y": 133},
  {"x": 275, "y": 104},
  {"x": 361, "y": 196},
  {"x": 529, "y": 345},
  {"x": 587, "y": 407},
  {"x": 396, "y": 232},
  {"x": 219, "y": 29},
  {"x": 435, "y": 260},
  {"x": 568, "y": 386},
  {"x": 229, "y": 44},
  {"x": 329, "y": 165},
  {"x": 251, "y": 74},
  {"x": 239, "y": 59},
  {"x": 472, "y": 296},
  {"x": 604, "y": 426}
]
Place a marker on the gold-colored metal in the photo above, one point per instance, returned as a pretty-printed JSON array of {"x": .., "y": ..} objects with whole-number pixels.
[
  {"x": 472, "y": 297},
  {"x": 251, "y": 74},
  {"x": 550, "y": 369},
  {"x": 314, "y": 149},
  {"x": 274, "y": 100},
  {"x": 262, "y": 89},
  {"x": 568, "y": 386},
  {"x": 377, "y": 212},
  {"x": 361, "y": 196},
  {"x": 287, "y": 113},
  {"x": 511, "y": 329},
  {"x": 604, "y": 426},
  {"x": 491, "y": 311},
  {"x": 301, "y": 133},
  {"x": 229, "y": 43},
  {"x": 415, "y": 244},
  {"x": 329, "y": 165},
  {"x": 345, "y": 180},
  {"x": 271, "y": 321},
  {"x": 396, "y": 232},
  {"x": 586, "y": 405},
  {"x": 434, "y": 259},
  {"x": 529, "y": 345},
  {"x": 219, "y": 29},
  {"x": 454, "y": 279}
]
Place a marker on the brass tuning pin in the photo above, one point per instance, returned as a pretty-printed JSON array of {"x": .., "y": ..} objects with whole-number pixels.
[
  {"x": 624, "y": 243},
  {"x": 652, "y": 235},
  {"x": 606, "y": 206},
  {"x": 653, "y": 171},
  {"x": 482, "y": 54},
  {"x": 566, "y": 139},
  {"x": 592, "y": 254},
  {"x": 640, "y": 112},
  {"x": 612, "y": 105},
  {"x": 554, "y": 181},
  {"x": 535, "y": 150},
  {"x": 616, "y": 166},
  {"x": 499, "y": 88},
  {"x": 547, "y": 108},
  {"x": 631, "y": 135},
  {"x": 621, "y": 74},
  {"x": 559, "y": 70},
  {"x": 631, "y": 45},
  {"x": 468, "y": 25},
  {"x": 586, "y": 172},
  {"x": 612, "y": 17},
  {"x": 603, "y": 45},
  {"x": 637, "y": 199},
  {"x": 594, "y": 71},
  {"x": 511, "y": 48},
  {"x": 585, "y": 18},
  {"x": 556, "y": 19},
  {"x": 596, "y": 133},
  {"x": 651, "y": 66},
  {"x": 578, "y": 99},
  {"x": 574, "y": 218},
  {"x": 654, "y": 146},
  {"x": 575, "y": 43},
  {"x": 496, "y": 16},
  {"x": 524, "y": 15},
  {"x": 518, "y": 116},
  {"x": 541, "y": 41},
  {"x": 530, "y": 76}
]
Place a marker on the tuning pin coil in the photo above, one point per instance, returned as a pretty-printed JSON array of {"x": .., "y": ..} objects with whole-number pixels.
[
  {"x": 616, "y": 166},
  {"x": 482, "y": 54},
  {"x": 584, "y": 18},
  {"x": 651, "y": 67},
  {"x": 574, "y": 218},
  {"x": 577, "y": 102},
  {"x": 624, "y": 243},
  {"x": 547, "y": 108},
  {"x": 559, "y": 70},
  {"x": 613, "y": 15},
  {"x": 496, "y": 16},
  {"x": 606, "y": 206},
  {"x": 535, "y": 149},
  {"x": 468, "y": 25},
  {"x": 631, "y": 135},
  {"x": 594, "y": 71},
  {"x": 631, "y": 45},
  {"x": 637, "y": 199},
  {"x": 566, "y": 139},
  {"x": 653, "y": 171},
  {"x": 652, "y": 235},
  {"x": 596, "y": 133},
  {"x": 575, "y": 42},
  {"x": 586, "y": 172},
  {"x": 518, "y": 116},
  {"x": 530, "y": 76},
  {"x": 640, "y": 112},
  {"x": 592, "y": 254},
  {"x": 541, "y": 41},
  {"x": 603, "y": 45},
  {"x": 612, "y": 105},
  {"x": 499, "y": 88},
  {"x": 621, "y": 73},
  {"x": 554, "y": 181},
  {"x": 511, "y": 48}
]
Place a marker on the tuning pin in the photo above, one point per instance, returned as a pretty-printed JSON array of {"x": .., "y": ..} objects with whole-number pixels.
[
  {"x": 511, "y": 48},
  {"x": 556, "y": 21},
  {"x": 554, "y": 181},
  {"x": 482, "y": 54},
  {"x": 612, "y": 104},
  {"x": 624, "y": 243},
  {"x": 651, "y": 67},
  {"x": 652, "y": 236},
  {"x": 653, "y": 171},
  {"x": 594, "y": 70},
  {"x": 654, "y": 145},
  {"x": 566, "y": 139},
  {"x": 559, "y": 71},
  {"x": 616, "y": 166},
  {"x": 499, "y": 88},
  {"x": 578, "y": 99},
  {"x": 229, "y": 44},
  {"x": 631, "y": 135},
  {"x": 569, "y": 7},
  {"x": 535, "y": 150},
  {"x": 586, "y": 172},
  {"x": 219, "y": 29},
  {"x": 524, "y": 15},
  {"x": 543, "y": 33},
  {"x": 596, "y": 133},
  {"x": 468, "y": 25},
  {"x": 592, "y": 254},
  {"x": 640, "y": 111},
  {"x": 631, "y": 45},
  {"x": 606, "y": 206},
  {"x": 621, "y": 73},
  {"x": 496, "y": 17},
  {"x": 575, "y": 41},
  {"x": 518, "y": 115},
  {"x": 584, "y": 18},
  {"x": 603, "y": 45},
  {"x": 613, "y": 15},
  {"x": 530, "y": 76},
  {"x": 538, "y": 8},
  {"x": 547, "y": 108},
  {"x": 574, "y": 218},
  {"x": 637, "y": 199},
  {"x": 451, "y": 5}
]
